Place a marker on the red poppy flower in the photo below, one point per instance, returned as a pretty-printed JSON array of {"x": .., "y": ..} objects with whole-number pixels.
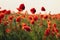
[
  {"x": 32, "y": 21},
  {"x": 3, "y": 11},
  {"x": 56, "y": 30},
  {"x": 8, "y": 12},
  {"x": 45, "y": 16},
  {"x": 33, "y": 10},
  {"x": 7, "y": 30},
  {"x": 21, "y": 7},
  {"x": 35, "y": 17},
  {"x": 53, "y": 30},
  {"x": 41, "y": 16},
  {"x": 54, "y": 25},
  {"x": 43, "y": 9},
  {"x": 47, "y": 32},
  {"x": 30, "y": 17},
  {"x": 10, "y": 18},
  {"x": 5, "y": 23},
  {"x": 18, "y": 19},
  {"x": 26, "y": 28},
  {"x": 1, "y": 15}
]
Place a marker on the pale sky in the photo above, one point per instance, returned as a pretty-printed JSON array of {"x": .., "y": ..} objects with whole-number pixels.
[{"x": 50, "y": 5}]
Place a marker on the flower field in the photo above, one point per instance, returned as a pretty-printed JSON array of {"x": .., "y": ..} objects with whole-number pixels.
[{"x": 25, "y": 26}]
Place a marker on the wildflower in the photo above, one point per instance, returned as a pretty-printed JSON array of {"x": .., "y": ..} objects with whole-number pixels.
[
  {"x": 52, "y": 31},
  {"x": 33, "y": 10},
  {"x": 7, "y": 30},
  {"x": 10, "y": 18},
  {"x": 41, "y": 16},
  {"x": 43, "y": 9},
  {"x": 35, "y": 18},
  {"x": 1, "y": 15},
  {"x": 26, "y": 28},
  {"x": 30, "y": 17},
  {"x": 5, "y": 23},
  {"x": 54, "y": 25},
  {"x": 21, "y": 7},
  {"x": 45, "y": 16},
  {"x": 3, "y": 11},
  {"x": 8, "y": 12},
  {"x": 18, "y": 19},
  {"x": 32, "y": 21},
  {"x": 56, "y": 30},
  {"x": 47, "y": 32}
]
